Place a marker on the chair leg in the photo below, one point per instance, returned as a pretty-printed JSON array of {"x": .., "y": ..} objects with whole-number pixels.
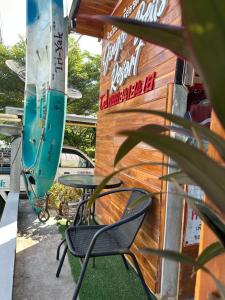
[
  {"x": 81, "y": 277},
  {"x": 58, "y": 249},
  {"x": 125, "y": 262},
  {"x": 148, "y": 294},
  {"x": 61, "y": 261}
]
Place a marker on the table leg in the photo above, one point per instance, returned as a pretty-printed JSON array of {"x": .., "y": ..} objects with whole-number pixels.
[{"x": 87, "y": 193}]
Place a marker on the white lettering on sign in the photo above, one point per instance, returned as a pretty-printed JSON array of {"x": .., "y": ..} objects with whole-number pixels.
[
  {"x": 150, "y": 12},
  {"x": 111, "y": 33},
  {"x": 113, "y": 51},
  {"x": 126, "y": 13},
  {"x": 128, "y": 10},
  {"x": 155, "y": 10},
  {"x": 193, "y": 222},
  {"x": 128, "y": 68},
  {"x": 193, "y": 228}
]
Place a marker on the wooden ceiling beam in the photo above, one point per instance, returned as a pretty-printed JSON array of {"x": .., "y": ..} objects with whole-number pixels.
[{"x": 90, "y": 7}]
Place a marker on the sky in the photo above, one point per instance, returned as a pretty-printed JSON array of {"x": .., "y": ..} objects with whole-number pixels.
[{"x": 13, "y": 24}]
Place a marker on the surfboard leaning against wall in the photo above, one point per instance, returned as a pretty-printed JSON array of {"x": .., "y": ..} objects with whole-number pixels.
[{"x": 45, "y": 99}]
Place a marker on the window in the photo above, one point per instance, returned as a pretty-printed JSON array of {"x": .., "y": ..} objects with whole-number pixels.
[{"x": 70, "y": 160}]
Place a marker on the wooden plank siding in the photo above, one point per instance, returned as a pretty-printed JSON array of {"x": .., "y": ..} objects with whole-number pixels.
[
  {"x": 92, "y": 7},
  {"x": 163, "y": 62},
  {"x": 205, "y": 285},
  {"x": 98, "y": 7}
]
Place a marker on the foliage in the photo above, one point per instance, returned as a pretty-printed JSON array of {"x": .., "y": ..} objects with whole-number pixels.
[
  {"x": 59, "y": 194},
  {"x": 11, "y": 87},
  {"x": 84, "y": 75},
  {"x": 6, "y": 139},
  {"x": 90, "y": 152},
  {"x": 82, "y": 138},
  {"x": 201, "y": 28}
]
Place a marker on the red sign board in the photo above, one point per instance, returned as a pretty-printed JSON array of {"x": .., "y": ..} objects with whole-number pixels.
[{"x": 139, "y": 88}]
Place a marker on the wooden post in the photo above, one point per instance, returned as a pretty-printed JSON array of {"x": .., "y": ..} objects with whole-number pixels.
[
  {"x": 205, "y": 284},
  {"x": 177, "y": 98}
]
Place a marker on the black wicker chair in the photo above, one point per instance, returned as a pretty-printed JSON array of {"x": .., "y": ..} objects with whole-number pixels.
[{"x": 105, "y": 240}]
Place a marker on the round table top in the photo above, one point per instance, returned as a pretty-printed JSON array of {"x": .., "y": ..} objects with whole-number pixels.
[{"x": 88, "y": 181}]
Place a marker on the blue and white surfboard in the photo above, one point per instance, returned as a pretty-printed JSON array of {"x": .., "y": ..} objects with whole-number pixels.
[{"x": 45, "y": 95}]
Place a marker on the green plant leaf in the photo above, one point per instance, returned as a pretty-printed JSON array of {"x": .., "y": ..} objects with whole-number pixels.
[
  {"x": 213, "y": 296},
  {"x": 142, "y": 198},
  {"x": 203, "y": 132},
  {"x": 181, "y": 131},
  {"x": 154, "y": 127},
  {"x": 167, "y": 36},
  {"x": 204, "y": 22},
  {"x": 133, "y": 142},
  {"x": 175, "y": 256},
  {"x": 220, "y": 286},
  {"x": 209, "y": 253},
  {"x": 184, "y": 259},
  {"x": 209, "y": 217},
  {"x": 206, "y": 214},
  {"x": 110, "y": 176},
  {"x": 180, "y": 178},
  {"x": 196, "y": 164}
]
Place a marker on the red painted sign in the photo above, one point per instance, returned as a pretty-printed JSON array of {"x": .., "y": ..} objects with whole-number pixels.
[{"x": 139, "y": 88}]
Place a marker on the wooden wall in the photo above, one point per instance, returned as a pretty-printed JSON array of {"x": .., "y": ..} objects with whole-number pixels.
[
  {"x": 205, "y": 284},
  {"x": 163, "y": 62},
  {"x": 90, "y": 7}
]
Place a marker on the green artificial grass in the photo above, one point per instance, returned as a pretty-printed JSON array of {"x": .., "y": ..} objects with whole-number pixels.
[{"x": 109, "y": 280}]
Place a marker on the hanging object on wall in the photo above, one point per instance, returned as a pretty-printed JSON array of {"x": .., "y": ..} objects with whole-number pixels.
[
  {"x": 45, "y": 96},
  {"x": 73, "y": 93},
  {"x": 17, "y": 67}
]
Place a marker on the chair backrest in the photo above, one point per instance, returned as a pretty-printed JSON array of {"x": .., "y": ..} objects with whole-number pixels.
[{"x": 134, "y": 212}]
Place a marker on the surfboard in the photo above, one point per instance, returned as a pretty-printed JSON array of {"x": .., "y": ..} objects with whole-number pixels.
[{"x": 45, "y": 96}]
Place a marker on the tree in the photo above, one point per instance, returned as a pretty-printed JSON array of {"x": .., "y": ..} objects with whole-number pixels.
[
  {"x": 82, "y": 138},
  {"x": 83, "y": 74},
  {"x": 11, "y": 87}
]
